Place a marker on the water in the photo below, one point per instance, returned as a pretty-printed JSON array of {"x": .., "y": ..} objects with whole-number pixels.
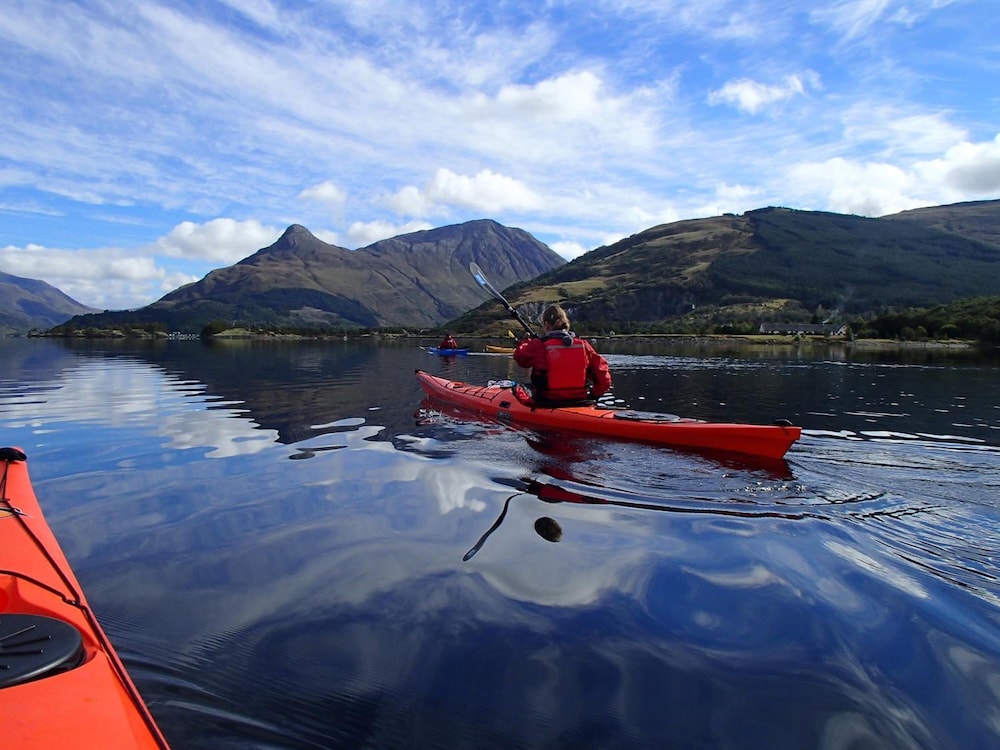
[{"x": 290, "y": 550}]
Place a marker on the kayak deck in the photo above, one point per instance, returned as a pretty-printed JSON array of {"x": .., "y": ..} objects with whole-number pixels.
[
  {"x": 73, "y": 686},
  {"x": 504, "y": 403}
]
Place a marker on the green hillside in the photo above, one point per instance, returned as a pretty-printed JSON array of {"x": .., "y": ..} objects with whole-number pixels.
[
  {"x": 855, "y": 265},
  {"x": 768, "y": 265}
]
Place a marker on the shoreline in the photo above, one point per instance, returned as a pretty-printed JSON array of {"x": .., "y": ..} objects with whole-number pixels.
[{"x": 749, "y": 340}]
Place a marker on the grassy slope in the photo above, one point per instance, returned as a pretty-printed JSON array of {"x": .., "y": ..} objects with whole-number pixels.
[{"x": 770, "y": 264}]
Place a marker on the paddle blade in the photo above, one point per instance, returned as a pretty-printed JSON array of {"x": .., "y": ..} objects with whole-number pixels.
[{"x": 480, "y": 277}]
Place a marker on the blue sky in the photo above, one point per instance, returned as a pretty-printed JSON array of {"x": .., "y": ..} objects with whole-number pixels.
[{"x": 146, "y": 143}]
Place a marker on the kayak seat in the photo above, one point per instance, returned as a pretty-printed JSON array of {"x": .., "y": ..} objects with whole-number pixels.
[
  {"x": 12, "y": 454},
  {"x": 34, "y": 646}
]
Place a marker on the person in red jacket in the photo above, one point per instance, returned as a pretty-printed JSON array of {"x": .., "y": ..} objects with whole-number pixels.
[
  {"x": 448, "y": 342},
  {"x": 564, "y": 368}
]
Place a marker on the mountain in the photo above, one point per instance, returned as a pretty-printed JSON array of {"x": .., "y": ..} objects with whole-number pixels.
[
  {"x": 419, "y": 280},
  {"x": 975, "y": 220},
  {"x": 27, "y": 304},
  {"x": 771, "y": 264}
]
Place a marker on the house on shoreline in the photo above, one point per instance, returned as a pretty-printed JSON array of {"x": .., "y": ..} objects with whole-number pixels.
[{"x": 804, "y": 329}]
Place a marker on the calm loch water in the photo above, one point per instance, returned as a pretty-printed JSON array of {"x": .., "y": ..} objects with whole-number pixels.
[{"x": 290, "y": 549}]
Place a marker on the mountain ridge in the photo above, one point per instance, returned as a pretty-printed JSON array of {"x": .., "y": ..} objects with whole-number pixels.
[
  {"x": 772, "y": 263},
  {"x": 29, "y": 304},
  {"x": 420, "y": 279},
  {"x": 769, "y": 264}
]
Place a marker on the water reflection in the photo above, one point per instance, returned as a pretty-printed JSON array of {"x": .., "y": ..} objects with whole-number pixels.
[{"x": 845, "y": 598}]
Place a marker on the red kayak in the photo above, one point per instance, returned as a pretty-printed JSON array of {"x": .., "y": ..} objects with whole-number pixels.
[
  {"x": 62, "y": 685},
  {"x": 507, "y": 403}
]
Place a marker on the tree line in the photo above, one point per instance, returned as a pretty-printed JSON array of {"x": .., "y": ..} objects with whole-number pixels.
[{"x": 976, "y": 318}]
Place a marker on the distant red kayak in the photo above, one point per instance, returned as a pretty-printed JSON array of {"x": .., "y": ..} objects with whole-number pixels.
[
  {"x": 62, "y": 685},
  {"x": 507, "y": 404}
]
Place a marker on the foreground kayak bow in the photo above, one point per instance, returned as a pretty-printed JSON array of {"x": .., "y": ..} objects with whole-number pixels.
[
  {"x": 504, "y": 403},
  {"x": 61, "y": 683}
]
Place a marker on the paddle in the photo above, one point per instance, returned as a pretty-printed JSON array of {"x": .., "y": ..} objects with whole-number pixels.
[{"x": 477, "y": 274}]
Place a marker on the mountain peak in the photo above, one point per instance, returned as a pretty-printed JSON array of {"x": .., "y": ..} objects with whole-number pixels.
[
  {"x": 294, "y": 240},
  {"x": 295, "y": 236}
]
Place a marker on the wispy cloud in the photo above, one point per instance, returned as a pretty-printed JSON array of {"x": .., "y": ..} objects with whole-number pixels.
[
  {"x": 751, "y": 96},
  {"x": 206, "y": 129}
]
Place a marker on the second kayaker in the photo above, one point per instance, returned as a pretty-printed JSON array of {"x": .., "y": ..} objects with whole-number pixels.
[{"x": 564, "y": 369}]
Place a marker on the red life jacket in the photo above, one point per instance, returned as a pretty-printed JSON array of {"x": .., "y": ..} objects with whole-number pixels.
[{"x": 566, "y": 367}]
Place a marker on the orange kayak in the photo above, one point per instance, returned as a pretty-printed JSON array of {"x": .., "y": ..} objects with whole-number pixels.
[
  {"x": 61, "y": 683},
  {"x": 506, "y": 403}
]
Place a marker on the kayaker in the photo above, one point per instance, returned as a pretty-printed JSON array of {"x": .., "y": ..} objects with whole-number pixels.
[
  {"x": 562, "y": 365},
  {"x": 448, "y": 342}
]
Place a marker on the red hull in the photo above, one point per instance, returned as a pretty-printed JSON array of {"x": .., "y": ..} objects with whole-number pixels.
[
  {"x": 500, "y": 404},
  {"x": 88, "y": 700}
]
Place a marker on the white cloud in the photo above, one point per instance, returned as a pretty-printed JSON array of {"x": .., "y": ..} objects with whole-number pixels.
[
  {"x": 325, "y": 192},
  {"x": 969, "y": 168},
  {"x": 573, "y": 96},
  {"x": 751, "y": 96},
  {"x": 116, "y": 278},
  {"x": 851, "y": 18},
  {"x": 224, "y": 241},
  {"x": 735, "y": 195},
  {"x": 569, "y": 250},
  {"x": 560, "y": 118},
  {"x": 855, "y": 18},
  {"x": 411, "y": 201},
  {"x": 486, "y": 191},
  {"x": 850, "y": 187},
  {"x": 104, "y": 278},
  {"x": 896, "y": 132},
  {"x": 965, "y": 171},
  {"x": 331, "y": 238},
  {"x": 287, "y": 112}
]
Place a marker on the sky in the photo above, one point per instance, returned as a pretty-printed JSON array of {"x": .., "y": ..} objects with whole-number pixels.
[{"x": 145, "y": 143}]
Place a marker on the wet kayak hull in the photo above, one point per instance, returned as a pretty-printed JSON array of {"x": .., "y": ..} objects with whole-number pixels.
[
  {"x": 75, "y": 689},
  {"x": 501, "y": 403}
]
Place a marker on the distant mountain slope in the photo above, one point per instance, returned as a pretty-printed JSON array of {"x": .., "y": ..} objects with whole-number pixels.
[
  {"x": 27, "y": 304},
  {"x": 975, "y": 220},
  {"x": 768, "y": 264},
  {"x": 419, "y": 280}
]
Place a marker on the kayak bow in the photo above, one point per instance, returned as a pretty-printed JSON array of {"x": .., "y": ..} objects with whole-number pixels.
[
  {"x": 504, "y": 403},
  {"x": 61, "y": 682}
]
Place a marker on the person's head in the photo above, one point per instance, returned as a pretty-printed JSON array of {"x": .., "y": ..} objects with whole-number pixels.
[{"x": 554, "y": 319}]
